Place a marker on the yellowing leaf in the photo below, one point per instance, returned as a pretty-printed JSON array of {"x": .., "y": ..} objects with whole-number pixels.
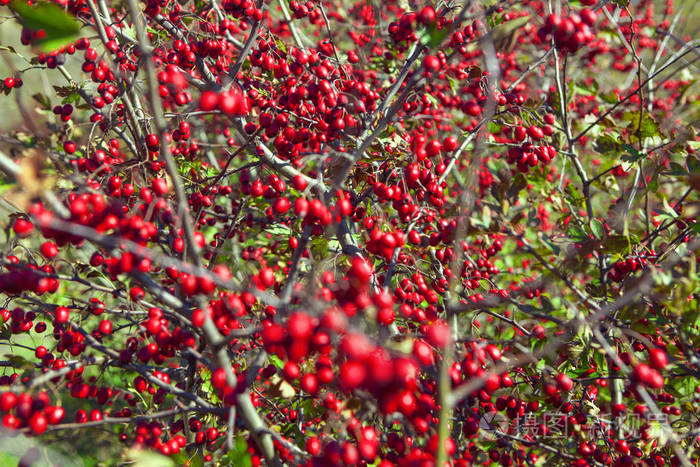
[{"x": 147, "y": 458}]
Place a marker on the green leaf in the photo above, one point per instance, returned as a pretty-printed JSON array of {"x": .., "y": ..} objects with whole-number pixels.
[
  {"x": 644, "y": 129},
  {"x": 279, "y": 230},
  {"x": 619, "y": 243},
  {"x": 484, "y": 220},
  {"x": 276, "y": 361},
  {"x": 17, "y": 361},
  {"x": 59, "y": 26},
  {"x": 696, "y": 227},
  {"x": 6, "y": 185},
  {"x": 494, "y": 127},
  {"x": 693, "y": 164},
  {"x": 573, "y": 195},
  {"x": 517, "y": 183},
  {"x": 633, "y": 155},
  {"x": 598, "y": 229},
  {"x": 196, "y": 461},
  {"x": 607, "y": 144},
  {"x": 609, "y": 98},
  {"x": 587, "y": 91},
  {"x": 502, "y": 31},
  {"x": 454, "y": 85},
  {"x": 43, "y": 100},
  {"x": 554, "y": 248},
  {"x": 508, "y": 334},
  {"x": 239, "y": 455},
  {"x": 319, "y": 247},
  {"x": 595, "y": 290},
  {"x": 433, "y": 36},
  {"x": 575, "y": 233},
  {"x": 677, "y": 170},
  {"x": 64, "y": 91},
  {"x": 72, "y": 98},
  {"x": 8, "y": 459}
]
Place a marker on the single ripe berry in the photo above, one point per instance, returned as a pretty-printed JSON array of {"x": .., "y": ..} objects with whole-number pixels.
[
  {"x": 658, "y": 359},
  {"x": 427, "y": 15},
  {"x": 159, "y": 186},
  {"x": 49, "y": 249},
  {"x": 38, "y": 423},
  {"x": 535, "y": 132},
  {"x": 431, "y": 63},
  {"x": 22, "y": 227},
  {"x": 8, "y": 401},
  {"x": 69, "y": 147},
  {"x": 208, "y": 101},
  {"x": 564, "y": 383},
  {"x": 152, "y": 142},
  {"x": 519, "y": 133}
]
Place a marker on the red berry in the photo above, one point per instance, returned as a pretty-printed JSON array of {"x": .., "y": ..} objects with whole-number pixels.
[
  {"x": 564, "y": 383},
  {"x": 69, "y": 147},
  {"x": 360, "y": 272},
  {"x": 309, "y": 383},
  {"x": 208, "y": 101},
  {"x": 159, "y": 186},
  {"x": 535, "y": 132},
  {"x": 267, "y": 277},
  {"x": 427, "y": 15},
  {"x": 198, "y": 317},
  {"x": 291, "y": 371},
  {"x": 49, "y": 250},
  {"x": 22, "y": 227},
  {"x": 519, "y": 133},
  {"x": 658, "y": 359},
  {"x": 38, "y": 423},
  {"x": 152, "y": 142},
  {"x": 7, "y": 401},
  {"x": 54, "y": 415},
  {"x": 431, "y": 63},
  {"x": 352, "y": 374},
  {"x": 300, "y": 326},
  {"x": 105, "y": 326}
]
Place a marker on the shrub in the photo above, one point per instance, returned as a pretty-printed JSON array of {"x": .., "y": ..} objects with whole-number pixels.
[{"x": 337, "y": 233}]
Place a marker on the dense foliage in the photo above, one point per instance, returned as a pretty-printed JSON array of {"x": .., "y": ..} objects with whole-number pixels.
[{"x": 336, "y": 233}]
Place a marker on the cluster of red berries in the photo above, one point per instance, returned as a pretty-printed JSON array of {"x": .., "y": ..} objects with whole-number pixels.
[
  {"x": 622, "y": 268},
  {"x": 158, "y": 348},
  {"x": 363, "y": 446},
  {"x": 12, "y": 83},
  {"x": 648, "y": 376},
  {"x": 571, "y": 32},
  {"x": 98, "y": 161},
  {"x": 304, "y": 9},
  {"x": 232, "y": 102},
  {"x": 27, "y": 277},
  {"x": 528, "y": 290},
  {"x": 29, "y": 36},
  {"x": 404, "y": 29},
  {"x": 384, "y": 243},
  {"x": 64, "y": 111},
  {"x": 242, "y": 8},
  {"x": 23, "y": 410},
  {"x": 477, "y": 361},
  {"x": 528, "y": 155},
  {"x": 154, "y": 435},
  {"x": 172, "y": 84}
]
